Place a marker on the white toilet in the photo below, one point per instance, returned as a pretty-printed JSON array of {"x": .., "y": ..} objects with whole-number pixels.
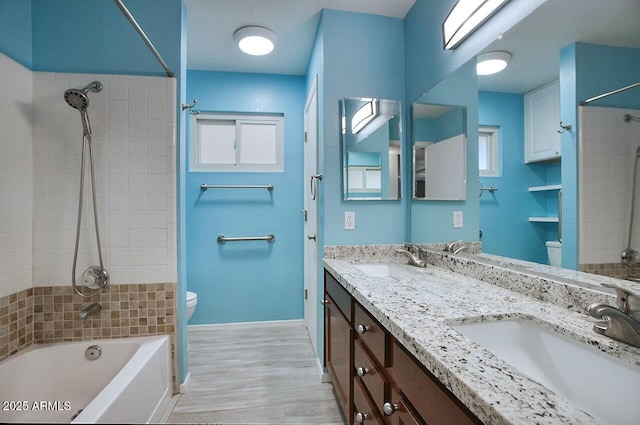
[
  {"x": 192, "y": 301},
  {"x": 554, "y": 249}
]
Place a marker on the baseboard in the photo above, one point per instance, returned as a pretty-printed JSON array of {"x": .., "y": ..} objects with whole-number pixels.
[
  {"x": 184, "y": 387},
  {"x": 168, "y": 410},
  {"x": 241, "y": 325},
  {"x": 324, "y": 376}
]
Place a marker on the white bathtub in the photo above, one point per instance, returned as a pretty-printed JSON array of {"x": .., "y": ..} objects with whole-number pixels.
[{"x": 129, "y": 383}]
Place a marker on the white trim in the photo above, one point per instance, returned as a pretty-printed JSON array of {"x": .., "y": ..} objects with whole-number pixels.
[
  {"x": 184, "y": 387},
  {"x": 237, "y": 120},
  {"x": 493, "y": 151},
  {"x": 168, "y": 409},
  {"x": 324, "y": 376},
  {"x": 243, "y": 325}
]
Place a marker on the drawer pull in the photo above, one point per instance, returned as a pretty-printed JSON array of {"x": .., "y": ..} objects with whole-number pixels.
[
  {"x": 361, "y": 371},
  {"x": 325, "y": 302},
  {"x": 362, "y": 329},
  {"x": 361, "y": 417},
  {"x": 389, "y": 408}
]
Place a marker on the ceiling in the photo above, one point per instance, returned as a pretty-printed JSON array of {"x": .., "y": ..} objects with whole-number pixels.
[
  {"x": 211, "y": 24},
  {"x": 535, "y": 42}
]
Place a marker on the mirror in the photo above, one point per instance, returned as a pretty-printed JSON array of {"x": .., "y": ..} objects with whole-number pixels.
[
  {"x": 439, "y": 152},
  {"x": 530, "y": 191},
  {"x": 371, "y": 149}
]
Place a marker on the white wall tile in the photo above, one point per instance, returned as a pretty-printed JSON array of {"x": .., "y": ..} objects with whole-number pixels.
[{"x": 607, "y": 155}]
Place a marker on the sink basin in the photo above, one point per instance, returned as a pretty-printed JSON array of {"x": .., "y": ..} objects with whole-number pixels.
[
  {"x": 601, "y": 385},
  {"x": 382, "y": 269}
]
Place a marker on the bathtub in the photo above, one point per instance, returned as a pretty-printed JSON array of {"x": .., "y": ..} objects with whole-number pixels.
[{"x": 129, "y": 383}]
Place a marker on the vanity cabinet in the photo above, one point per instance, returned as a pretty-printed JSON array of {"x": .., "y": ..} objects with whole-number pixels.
[
  {"x": 339, "y": 342},
  {"x": 375, "y": 379},
  {"x": 541, "y": 123}
]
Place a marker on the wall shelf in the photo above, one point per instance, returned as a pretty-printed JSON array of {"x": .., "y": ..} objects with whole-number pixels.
[
  {"x": 545, "y": 188},
  {"x": 543, "y": 219}
]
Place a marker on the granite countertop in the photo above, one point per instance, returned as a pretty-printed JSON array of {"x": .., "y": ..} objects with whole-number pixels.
[{"x": 418, "y": 308}]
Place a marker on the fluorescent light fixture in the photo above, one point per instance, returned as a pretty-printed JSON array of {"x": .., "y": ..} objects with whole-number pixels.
[
  {"x": 465, "y": 17},
  {"x": 256, "y": 41},
  {"x": 364, "y": 115},
  {"x": 492, "y": 62}
]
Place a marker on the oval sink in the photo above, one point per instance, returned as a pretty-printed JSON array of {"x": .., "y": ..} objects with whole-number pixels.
[
  {"x": 381, "y": 269},
  {"x": 599, "y": 384}
]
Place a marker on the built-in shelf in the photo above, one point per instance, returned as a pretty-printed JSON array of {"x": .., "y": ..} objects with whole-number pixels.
[
  {"x": 543, "y": 219},
  {"x": 545, "y": 188}
]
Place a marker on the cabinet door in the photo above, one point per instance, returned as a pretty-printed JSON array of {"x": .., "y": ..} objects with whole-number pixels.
[
  {"x": 338, "y": 345},
  {"x": 401, "y": 413},
  {"x": 541, "y": 123}
]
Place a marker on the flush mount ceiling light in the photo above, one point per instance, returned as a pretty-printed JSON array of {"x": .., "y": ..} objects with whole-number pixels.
[
  {"x": 256, "y": 41},
  {"x": 492, "y": 62},
  {"x": 465, "y": 17}
]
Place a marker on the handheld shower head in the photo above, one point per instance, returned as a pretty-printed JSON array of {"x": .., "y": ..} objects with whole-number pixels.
[{"x": 78, "y": 99}]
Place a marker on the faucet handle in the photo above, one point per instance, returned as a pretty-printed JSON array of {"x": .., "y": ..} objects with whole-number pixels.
[
  {"x": 411, "y": 247},
  {"x": 627, "y": 301}
]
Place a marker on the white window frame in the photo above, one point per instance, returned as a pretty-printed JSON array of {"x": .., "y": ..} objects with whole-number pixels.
[
  {"x": 493, "y": 151},
  {"x": 195, "y": 163}
]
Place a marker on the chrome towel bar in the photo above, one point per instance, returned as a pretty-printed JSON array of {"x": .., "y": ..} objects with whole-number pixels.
[
  {"x": 235, "y": 186},
  {"x": 482, "y": 189},
  {"x": 269, "y": 238}
]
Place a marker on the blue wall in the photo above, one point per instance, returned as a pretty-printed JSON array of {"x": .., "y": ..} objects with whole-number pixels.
[
  {"x": 363, "y": 56},
  {"x": 588, "y": 70},
  {"x": 15, "y": 31},
  {"x": 432, "y": 221},
  {"x": 504, "y": 214},
  {"x": 248, "y": 281},
  {"x": 93, "y": 36}
]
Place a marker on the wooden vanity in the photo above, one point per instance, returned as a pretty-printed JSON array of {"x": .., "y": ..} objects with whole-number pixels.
[{"x": 375, "y": 379}]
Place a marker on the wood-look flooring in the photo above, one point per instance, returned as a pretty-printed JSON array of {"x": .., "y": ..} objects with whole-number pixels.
[{"x": 263, "y": 374}]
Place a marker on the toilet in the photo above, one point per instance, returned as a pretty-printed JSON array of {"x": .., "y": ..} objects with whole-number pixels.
[
  {"x": 554, "y": 249},
  {"x": 192, "y": 301}
]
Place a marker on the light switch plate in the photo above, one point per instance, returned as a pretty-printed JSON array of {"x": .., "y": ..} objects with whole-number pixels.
[
  {"x": 457, "y": 219},
  {"x": 349, "y": 220}
]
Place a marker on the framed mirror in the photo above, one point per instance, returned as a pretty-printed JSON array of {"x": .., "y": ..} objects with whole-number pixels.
[
  {"x": 439, "y": 152},
  {"x": 371, "y": 133}
]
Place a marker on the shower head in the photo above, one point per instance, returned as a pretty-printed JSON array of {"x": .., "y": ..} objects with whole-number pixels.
[{"x": 78, "y": 99}]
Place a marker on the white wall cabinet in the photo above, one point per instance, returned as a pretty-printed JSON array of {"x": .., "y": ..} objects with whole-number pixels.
[{"x": 541, "y": 123}]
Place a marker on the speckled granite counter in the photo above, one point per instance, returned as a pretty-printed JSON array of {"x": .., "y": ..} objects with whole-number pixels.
[{"x": 418, "y": 308}]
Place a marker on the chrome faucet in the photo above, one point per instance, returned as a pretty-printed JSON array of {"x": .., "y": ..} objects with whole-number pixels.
[
  {"x": 414, "y": 253},
  {"x": 90, "y": 310},
  {"x": 622, "y": 323},
  {"x": 449, "y": 247}
]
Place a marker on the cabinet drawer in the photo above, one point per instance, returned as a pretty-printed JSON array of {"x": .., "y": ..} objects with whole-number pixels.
[
  {"x": 370, "y": 373},
  {"x": 340, "y": 295},
  {"x": 364, "y": 412},
  {"x": 433, "y": 402},
  {"x": 369, "y": 331}
]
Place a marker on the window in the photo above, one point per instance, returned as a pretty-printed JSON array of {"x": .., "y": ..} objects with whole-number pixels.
[
  {"x": 488, "y": 151},
  {"x": 247, "y": 143}
]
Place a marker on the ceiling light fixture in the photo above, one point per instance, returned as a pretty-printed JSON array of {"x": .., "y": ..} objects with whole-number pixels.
[
  {"x": 492, "y": 62},
  {"x": 465, "y": 17},
  {"x": 256, "y": 41}
]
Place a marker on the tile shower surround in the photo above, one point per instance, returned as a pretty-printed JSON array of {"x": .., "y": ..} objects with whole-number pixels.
[{"x": 133, "y": 121}]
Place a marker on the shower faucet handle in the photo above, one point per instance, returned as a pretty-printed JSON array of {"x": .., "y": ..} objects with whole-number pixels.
[{"x": 627, "y": 300}]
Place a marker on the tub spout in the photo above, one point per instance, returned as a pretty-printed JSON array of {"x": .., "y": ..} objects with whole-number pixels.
[{"x": 90, "y": 310}]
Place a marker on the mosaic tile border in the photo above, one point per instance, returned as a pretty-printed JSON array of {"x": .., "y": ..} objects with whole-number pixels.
[{"x": 616, "y": 270}]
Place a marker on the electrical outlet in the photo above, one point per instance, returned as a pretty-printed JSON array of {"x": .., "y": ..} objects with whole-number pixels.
[
  {"x": 349, "y": 220},
  {"x": 457, "y": 219}
]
